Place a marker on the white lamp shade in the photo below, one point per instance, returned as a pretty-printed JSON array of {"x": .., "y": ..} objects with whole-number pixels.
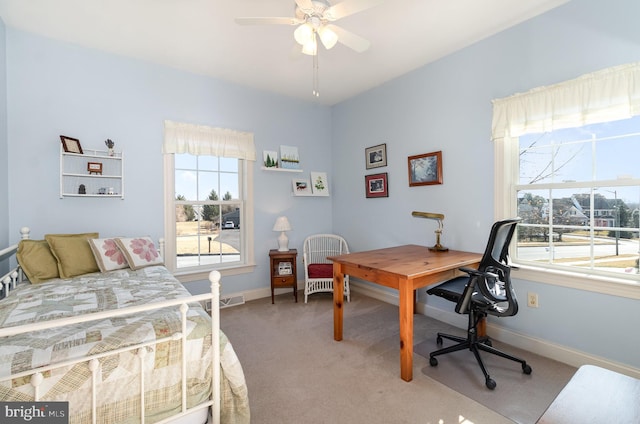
[
  {"x": 282, "y": 224},
  {"x": 311, "y": 48}
]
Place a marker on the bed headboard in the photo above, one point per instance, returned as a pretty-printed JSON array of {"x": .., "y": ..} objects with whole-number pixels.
[{"x": 15, "y": 275}]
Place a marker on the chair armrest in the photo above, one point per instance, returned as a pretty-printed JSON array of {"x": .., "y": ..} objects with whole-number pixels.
[{"x": 477, "y": 273}]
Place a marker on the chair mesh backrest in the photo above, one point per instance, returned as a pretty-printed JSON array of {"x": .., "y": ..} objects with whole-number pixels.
[
  {"x": 318, "y": 247},
  {"x": 496, "y": 261}
]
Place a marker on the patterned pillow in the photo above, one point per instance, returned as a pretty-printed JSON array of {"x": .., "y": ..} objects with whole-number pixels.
[
  {"x": 140, "y": 252},
  {"x": 108, "y": 256}
]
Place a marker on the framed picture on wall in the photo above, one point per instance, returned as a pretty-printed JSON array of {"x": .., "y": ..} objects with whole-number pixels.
[
  {"x": 376, "y": 185},
  {"x": 71, "y": 145},
  {"x": 376, "y": 156},
  {"x": 301, "y": 187},
  {"x": 425, "y": 169},
  {"x": 319, "y": 184}
]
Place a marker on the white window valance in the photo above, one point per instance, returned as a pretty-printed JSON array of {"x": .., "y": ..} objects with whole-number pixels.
[
  {"x": 181, "y": 137},
  {"x": 602, "y": 96}
]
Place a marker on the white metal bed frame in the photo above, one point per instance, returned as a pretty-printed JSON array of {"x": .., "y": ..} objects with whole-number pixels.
[{"x": 16, "y": 276}]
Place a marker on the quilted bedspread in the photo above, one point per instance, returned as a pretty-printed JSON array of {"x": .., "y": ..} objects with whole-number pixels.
[{"x": 119, "y": 385}]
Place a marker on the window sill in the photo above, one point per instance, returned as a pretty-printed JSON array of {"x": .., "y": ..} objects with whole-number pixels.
[
  {"x": 203, "y": 274},
  {"x": 588, "y": 282}
]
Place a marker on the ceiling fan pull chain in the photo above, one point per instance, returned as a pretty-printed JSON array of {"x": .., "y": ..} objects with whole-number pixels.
[{"x": 316, "y": 78}]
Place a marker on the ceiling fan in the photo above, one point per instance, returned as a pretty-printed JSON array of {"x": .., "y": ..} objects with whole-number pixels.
[{"x": 314, "y": 20}]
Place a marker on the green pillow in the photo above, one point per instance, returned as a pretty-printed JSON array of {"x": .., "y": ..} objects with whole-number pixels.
[
  {"x": 73, "y": 253},
  {"x": 37, "y": 261}
]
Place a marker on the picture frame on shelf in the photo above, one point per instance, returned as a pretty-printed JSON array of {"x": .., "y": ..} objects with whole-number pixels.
[
  {"x": 425, "y": 169},
  {"x": 376, "y": 185},
  {"x": 301, "y": 187},
  {"x": 289, "y": 158},
  {"x": 270, "y": 159},
  {"x": 376, "y": 156},
  {"x": 94, "y": 168},
  {"x": 319, "y": 184},
  {"x": 71, "y": 145}
]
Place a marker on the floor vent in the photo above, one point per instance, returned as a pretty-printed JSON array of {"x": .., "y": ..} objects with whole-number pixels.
[{"x": 226, "y": 302}]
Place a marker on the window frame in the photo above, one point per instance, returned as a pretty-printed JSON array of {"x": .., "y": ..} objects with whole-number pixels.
[
  {"x": 201, "y": 272},
  {"x": 506, "y": 176}
]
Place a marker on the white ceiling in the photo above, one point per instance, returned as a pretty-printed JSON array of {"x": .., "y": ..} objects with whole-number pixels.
[{"x": 201, "y": 36}]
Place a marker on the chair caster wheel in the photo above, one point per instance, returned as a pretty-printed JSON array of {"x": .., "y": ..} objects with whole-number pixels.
[
  {"x": 433, "y": 361},
  {"x": 526, "y": 369},
  {"x": 439, "y": 340},
  {"x": 490, "y": 383}
]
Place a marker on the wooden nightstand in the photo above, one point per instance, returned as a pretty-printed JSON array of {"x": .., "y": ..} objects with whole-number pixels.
[{"x": 283, "y": 271}]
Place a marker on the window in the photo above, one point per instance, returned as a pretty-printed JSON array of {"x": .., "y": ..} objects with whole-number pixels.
[
  {"x": 208, "y": 197},
  {"x": 566, "y": 162}
]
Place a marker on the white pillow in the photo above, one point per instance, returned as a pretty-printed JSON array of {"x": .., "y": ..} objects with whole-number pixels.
[
  {"x": 139, "y": 251},
  {"x": 108, "y": 255}
]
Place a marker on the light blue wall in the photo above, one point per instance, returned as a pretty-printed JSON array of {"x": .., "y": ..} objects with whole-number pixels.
[
  {"x": 56, "y": 88},
  {"x": 447, "y": 106}
]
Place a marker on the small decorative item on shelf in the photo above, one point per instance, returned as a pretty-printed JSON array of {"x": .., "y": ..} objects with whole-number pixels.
[
  {"x": 109, "y": 145},
  {"x": 82, "y": 189}
]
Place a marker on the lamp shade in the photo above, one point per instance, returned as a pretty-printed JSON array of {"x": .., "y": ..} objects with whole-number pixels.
[
  {"x": 282, "y": 224},
  {"x": 303, "y": 34},
  {"x": 328, "y": 37}
]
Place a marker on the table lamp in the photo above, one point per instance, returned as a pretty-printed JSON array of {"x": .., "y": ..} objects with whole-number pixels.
[
  {"x": 282, "y": 225},
  {"x": 438, "y": 217}
]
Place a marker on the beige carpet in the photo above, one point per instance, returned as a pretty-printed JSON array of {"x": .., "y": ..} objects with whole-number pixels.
[
  {"x": 296, "y": 372},
  {"x": 519, "y": 396}
]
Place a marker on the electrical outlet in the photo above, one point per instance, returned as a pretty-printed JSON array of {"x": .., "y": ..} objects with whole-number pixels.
[{"x": 532, "y": 300}]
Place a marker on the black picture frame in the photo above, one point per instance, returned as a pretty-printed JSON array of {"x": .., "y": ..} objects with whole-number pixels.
[
  {"x": 376, "y": 156},
  {"x": 376, "y": 185}
]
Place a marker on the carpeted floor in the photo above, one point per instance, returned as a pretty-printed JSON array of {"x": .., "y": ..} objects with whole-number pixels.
[
  {"x": 297, "y": 373},
  {"x": 519, "y": 396}
]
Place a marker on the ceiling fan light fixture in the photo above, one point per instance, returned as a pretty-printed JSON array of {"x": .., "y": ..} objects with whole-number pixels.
[
  {"x": 303, "y": 34},
  {"x": 310, "y": 48},
  {"x": 328, "y": 37}
]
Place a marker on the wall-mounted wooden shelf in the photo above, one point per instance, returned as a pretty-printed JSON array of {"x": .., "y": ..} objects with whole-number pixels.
[{"x": 264, "y": 168}]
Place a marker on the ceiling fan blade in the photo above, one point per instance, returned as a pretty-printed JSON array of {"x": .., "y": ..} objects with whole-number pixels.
[
  {"x": 349, "y": 7},
  {"x": 350, "y": 39},
  {"x": 305, "y": 5},
  {"x": 268, "y": 21}
]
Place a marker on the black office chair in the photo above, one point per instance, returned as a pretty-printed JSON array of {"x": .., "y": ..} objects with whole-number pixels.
[{"x": 485, "y": 291}]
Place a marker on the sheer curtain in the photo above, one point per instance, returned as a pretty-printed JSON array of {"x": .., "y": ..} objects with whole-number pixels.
[
  {"x": 606, "y": 95},
  {"x": 203, "y": 140}
]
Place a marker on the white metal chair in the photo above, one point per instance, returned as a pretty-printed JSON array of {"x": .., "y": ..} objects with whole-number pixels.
[{"x": 318, "y": 270}]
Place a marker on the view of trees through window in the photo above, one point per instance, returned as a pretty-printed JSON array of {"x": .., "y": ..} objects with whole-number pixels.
[
  {"x": 208, "y": 224},
  {"x": 578, "y": 195}
]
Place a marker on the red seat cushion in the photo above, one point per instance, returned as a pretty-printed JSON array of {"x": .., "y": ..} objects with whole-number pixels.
[{"x": 320, "y": 270}]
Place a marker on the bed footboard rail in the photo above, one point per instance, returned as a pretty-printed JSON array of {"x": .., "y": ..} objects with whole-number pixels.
[{"x": 139, "y": 349}]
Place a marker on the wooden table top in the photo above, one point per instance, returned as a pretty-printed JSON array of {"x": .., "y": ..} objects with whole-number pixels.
[{"x": 409, "y": 261}]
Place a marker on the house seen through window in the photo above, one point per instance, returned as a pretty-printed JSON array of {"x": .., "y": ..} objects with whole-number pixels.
[
  {"x": 578, "y": 194},
  {"x": 208, "y": 210}
]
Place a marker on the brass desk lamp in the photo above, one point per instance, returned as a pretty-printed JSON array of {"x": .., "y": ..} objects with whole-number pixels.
[{"x": 439, "y": 217}]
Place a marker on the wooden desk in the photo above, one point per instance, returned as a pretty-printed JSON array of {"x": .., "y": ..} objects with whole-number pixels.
[{"x": 404, "y": 268}]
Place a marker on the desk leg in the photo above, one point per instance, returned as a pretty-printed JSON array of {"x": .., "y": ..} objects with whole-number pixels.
[
  {"x": 406, "y": 330},
  {"x": 338, "y": 299}
]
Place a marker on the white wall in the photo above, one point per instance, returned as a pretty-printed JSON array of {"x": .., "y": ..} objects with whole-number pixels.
[
  {"x": 447, "y": 106},
  {"x": 56, "y": 88}
]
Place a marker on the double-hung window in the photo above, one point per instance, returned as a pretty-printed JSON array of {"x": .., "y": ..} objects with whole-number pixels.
[
  {"x": 567, "y": 163},
  {"x": 208, "y": 196}
]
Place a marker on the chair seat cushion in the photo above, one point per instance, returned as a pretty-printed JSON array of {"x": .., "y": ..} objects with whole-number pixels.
[{"x": 320, "y": 270}]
